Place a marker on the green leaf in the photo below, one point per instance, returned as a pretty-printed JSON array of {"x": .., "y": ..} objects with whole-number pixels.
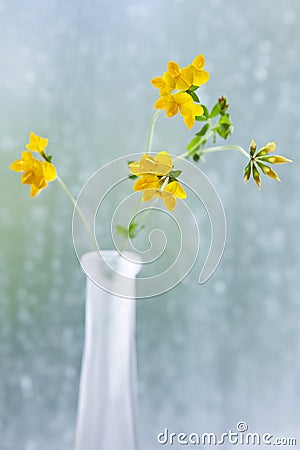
[
  {"x": 201, "y": 118},
  {"x": 215, "y": 111},
  {"x": 194, "y": 96},
  {"x": 192, "y": 88},
  {"x": 129, "y": 162},
  {"x": 48, "y": 158},
  {"x": 175, "y": 173},
  {"x": 132, "y": 177},
  {"x": 134, "y": 229},
  {"x": 224, "y": 126},
  {"x": 196, "y": 157},
  {"x": 203, "y": 130},
  {"x": 122, "y": 231},
  {"x": 193, "y": 142},
  {"x": 206, "y": 112}
]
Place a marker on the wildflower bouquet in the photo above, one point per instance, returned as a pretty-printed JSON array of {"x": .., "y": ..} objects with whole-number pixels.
[{"x": 154, "y": 175}]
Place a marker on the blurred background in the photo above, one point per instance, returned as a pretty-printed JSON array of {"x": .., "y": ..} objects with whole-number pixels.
[{"x": 208, "y": 356}]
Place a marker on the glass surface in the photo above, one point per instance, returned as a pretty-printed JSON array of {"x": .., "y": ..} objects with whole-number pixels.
[{"x": 208, "y": 356}]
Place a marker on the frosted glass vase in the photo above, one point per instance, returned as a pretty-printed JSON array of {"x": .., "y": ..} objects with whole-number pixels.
[{"x": 107, "y": 404}]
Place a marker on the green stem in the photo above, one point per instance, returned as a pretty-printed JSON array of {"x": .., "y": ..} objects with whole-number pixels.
[
  {"x": 78, "y": 209},
  {"x": 126, "y": 239},
  {"x": 144, "y": 216},
  {"x": 151, "y": 131},
  {"x": 218, "y": 148}
]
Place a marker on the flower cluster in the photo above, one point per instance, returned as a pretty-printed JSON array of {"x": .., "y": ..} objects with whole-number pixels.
[
  {"x": 157, "y": 179},
  {"x": 258, "y": 159},
  {"x": 36, "y": 173},
  {"x": 185, "y": 81},
  {"x": 155, "y": 176}
]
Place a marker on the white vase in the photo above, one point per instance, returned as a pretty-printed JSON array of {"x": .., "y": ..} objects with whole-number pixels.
[{"x": 108, "y": 387}]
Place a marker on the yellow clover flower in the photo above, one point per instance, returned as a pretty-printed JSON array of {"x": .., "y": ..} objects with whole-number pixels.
[
  {"x": 35, "y": 172},
  {"x": 154, "y": 172},
  {"x": 183, "y": 102},
  {"x": 169, "y": 194},
  {"x": 37, "y": 143},
  {"x": 186, "y": 81},
  {"x": 174, "y": 78},
  {"x": 160, "y": 165},
  {"x": 149, "y": 184},
  {"x": 183, "y": 77}
]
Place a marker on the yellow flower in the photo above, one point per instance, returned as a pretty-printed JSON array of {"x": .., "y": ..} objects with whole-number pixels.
[
  {"x": 169, "y": 194},
  {"x": 149, "y": 184},
  {"x": 154, "y": 173},
  {"x": 36, "y": 173},
  {"x": 183, "y": 77},
  {"x": 182, "y": 80},
  {"x": 174, "y": 78},
  {"x": 160, "y": 165},
  {"x": 165, "y": 84},
  {"x": 200, "y": 76},
  {"x": 37, "y": 143},
  {"x": 183, "y": 102}
]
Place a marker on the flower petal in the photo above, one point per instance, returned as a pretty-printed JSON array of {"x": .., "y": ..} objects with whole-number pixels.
[
  {"x": 157, "y": 82},
  {"x": 146, "y": 182},
  {"x": 173, "y": 68},
  {"x": 197, "y": 110},
  {"x": 34, "y": 190},
  {"x": 189, "y": 121},
  {"x": 199, "y": 62},
  {"x": 200, "y": 77},
  {"x": 134, "y": 167},
  {"x": 185, "y": 79},
  {"x": 147, "y": 164},
  {"x": 148, "y": 194},
  {"x": 176, "y": 189},
  {"x": 18, "y": 165},
  {"x": 163, "y": 163},
  {"x": 49, "y": 171},
  {"x": 168, "y": 84},
  {"x": 171, "y": 109},
  {"x": 170, "y": 202},
  {"x": 22, "y": 164},
  {"x": 37, "y": 143},
  {"x": 161, "y": 102}
]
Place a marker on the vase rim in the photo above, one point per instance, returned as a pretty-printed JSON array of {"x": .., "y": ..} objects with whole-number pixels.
[{"x": 128, "y": 263}]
